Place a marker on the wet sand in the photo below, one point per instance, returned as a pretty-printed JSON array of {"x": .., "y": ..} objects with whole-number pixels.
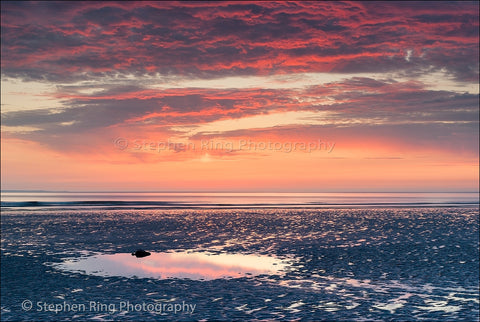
[{"x": 344, "y": 264}]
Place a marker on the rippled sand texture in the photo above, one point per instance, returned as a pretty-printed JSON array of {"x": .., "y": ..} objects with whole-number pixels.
[{"x": 360, "y": 264}]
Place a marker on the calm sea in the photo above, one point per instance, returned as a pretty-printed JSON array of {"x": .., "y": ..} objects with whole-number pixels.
[{"x": 227, "y": 199}]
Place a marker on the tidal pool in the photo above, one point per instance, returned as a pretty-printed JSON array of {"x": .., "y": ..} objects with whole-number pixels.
[{"x": 190, "y": 265}]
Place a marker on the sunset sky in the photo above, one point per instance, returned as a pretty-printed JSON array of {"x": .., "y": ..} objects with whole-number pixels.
[{"x": 240, "y": 96}]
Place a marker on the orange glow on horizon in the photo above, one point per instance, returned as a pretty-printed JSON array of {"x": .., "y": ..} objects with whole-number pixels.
[{"x": 340, "y": 170}]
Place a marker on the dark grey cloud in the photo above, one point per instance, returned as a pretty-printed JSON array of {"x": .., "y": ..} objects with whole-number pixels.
[
  {"x": 87, "y": 41},
  {"x": 368, "y": 107},
  {"x": 79, "y": 40}
]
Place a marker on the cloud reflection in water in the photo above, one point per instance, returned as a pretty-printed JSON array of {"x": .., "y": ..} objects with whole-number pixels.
[{"x": 191, "y": 265}]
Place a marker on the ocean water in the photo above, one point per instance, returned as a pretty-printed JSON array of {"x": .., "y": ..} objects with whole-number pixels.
[
  {"x": 313, "y": 258},
  {"x": 233, "y": 200}
]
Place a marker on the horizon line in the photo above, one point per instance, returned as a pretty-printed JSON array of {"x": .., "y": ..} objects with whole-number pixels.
[{"x": 217, "y": 191}]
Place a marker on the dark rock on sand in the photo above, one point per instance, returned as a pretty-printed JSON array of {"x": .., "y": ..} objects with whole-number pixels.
[{"x": 141, "y": 253}]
